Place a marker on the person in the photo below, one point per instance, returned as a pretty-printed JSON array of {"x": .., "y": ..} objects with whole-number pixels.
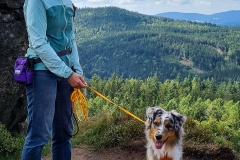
[{"x": 50, "y": 31}]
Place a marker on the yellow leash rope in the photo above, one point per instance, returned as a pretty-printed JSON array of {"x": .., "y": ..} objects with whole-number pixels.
[
  {"x": 119, "y": 107},
  {"x": 80, "y": 102},
  {"x": 79, "y": 105}
]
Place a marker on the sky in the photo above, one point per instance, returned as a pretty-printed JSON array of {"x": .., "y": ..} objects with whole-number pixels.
[{"x": 152, "y": 7}]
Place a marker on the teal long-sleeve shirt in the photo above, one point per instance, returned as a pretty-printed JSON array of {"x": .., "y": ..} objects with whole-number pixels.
[{"x": 50, "y": 30}]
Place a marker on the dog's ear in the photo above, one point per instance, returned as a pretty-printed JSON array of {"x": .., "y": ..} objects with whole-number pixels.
[
  {"x": 152, "y": 110},
  {"x": 151, "y": 114},
  {"x": 178, "y": 119}
]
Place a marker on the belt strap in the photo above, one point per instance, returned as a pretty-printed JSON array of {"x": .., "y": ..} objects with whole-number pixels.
[{"x": 61, "y": 53}]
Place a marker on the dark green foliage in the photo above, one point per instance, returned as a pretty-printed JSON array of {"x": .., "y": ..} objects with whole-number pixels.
[
  {"x": 122, "y": 133},
  {"x": 111, "y": 131},
  {"x": 93, "y": 133},
  {"x": 10, "y": 147},
  {"x": 114, "y": 40},
  {"x": 197, "y": 132}
]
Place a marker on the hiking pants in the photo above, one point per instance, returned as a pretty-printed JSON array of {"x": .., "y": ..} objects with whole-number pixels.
[{"x": 49, "y": 116}]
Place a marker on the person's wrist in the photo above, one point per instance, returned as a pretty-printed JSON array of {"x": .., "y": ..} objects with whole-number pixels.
[{"x": 70, "y": 75}]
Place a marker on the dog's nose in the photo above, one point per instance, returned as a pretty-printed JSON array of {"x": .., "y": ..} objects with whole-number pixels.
[{"x": 159, "y": 137}]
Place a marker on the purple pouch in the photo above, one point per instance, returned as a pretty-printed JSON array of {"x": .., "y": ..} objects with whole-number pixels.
[{"x": 23, "y": 70}]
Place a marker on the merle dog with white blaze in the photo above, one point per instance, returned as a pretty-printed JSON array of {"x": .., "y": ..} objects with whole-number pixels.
[{"x": 164, "y": 132}]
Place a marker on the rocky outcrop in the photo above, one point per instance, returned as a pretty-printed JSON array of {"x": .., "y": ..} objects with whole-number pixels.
[{"x": 13, "y": 43}]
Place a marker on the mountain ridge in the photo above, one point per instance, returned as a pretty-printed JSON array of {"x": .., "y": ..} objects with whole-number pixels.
[{"x": 227, "y": 18}]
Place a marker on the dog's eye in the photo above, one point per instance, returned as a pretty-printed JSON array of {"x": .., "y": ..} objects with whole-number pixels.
[
  {"x": 168, "y": 124},
  {"x": 157, "y": 121}
]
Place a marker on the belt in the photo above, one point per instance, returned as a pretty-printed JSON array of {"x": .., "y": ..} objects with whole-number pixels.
[{"x": 61, "y": 53}]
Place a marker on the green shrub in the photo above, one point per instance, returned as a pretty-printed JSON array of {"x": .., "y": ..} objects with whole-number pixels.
[
  {"x": 10, "y": 147},
  {"x": 235, "y": 139},
  {"x": 198, "y": 132},
  {"x": 121, "y": 133},
  {"x": 221, "y": 141},
  {"x": 104, "y": 130}
]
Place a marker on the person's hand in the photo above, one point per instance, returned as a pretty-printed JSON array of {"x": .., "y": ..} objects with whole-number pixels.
[{"x": 76, "y": 81}]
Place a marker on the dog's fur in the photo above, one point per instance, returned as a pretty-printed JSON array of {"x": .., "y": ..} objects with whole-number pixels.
[{"x": 164, "y": 131}]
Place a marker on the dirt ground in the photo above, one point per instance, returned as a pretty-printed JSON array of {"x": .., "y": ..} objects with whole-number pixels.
[
  {"x": 132, "y": 151},
  {"x": 136, "y": 151}
]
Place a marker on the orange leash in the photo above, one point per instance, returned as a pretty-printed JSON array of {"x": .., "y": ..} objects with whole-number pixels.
[
  {"x": 119, "y": 107},
  {"x": 80, "y": 107}
]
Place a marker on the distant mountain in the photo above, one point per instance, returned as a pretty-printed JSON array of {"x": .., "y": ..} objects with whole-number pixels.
[
  {"x": 229, "y": 18},
  {"x": 114, "y": 40}
]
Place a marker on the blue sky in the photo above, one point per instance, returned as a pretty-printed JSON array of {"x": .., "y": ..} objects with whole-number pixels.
[{"x": 151, "y": 7}]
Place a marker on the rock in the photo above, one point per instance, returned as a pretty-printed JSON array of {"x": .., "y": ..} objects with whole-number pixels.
[{"x": 13, "y": 38}]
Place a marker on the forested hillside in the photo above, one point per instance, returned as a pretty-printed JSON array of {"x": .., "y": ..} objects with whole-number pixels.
[{"x": 114, "y": 40}]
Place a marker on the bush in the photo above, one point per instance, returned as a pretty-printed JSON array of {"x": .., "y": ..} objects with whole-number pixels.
[
  {"x": 122, "y": 133},
  {"x": 10, "y": 147},
  {"x": 198, "y": 132},
  {"x": 107, "y": 131},
  {"x": 235, "y": 139}
]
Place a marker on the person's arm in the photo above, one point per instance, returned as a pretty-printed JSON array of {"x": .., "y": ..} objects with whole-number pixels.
[
  {"x": 76, "y": 79},
  {"x": 36, "y": 20},
  {"x": 76, "y": 64}
]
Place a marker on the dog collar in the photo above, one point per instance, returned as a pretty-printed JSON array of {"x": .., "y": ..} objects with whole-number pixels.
[{"x": 165, "y": 158}]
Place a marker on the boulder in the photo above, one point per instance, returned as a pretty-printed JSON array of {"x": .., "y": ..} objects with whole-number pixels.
[{"x": 13, "y": 38}]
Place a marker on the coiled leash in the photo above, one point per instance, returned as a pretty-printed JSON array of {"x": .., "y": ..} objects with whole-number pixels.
[
  {"x": 80, "y": 104},
  {"x": 80, "y": 107}
]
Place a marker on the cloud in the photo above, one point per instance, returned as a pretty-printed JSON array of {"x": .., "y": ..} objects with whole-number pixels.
[
  {"x": 174, "y": 2},
  {"x": 202, "y": 3},
  {"x": 127, "y": 1},
  {"x": 135, "y": 1},
  {"x": 98, "y": 1},
  {"x": 92, "y": 1},
  {"x": 105, "y": 1}
]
